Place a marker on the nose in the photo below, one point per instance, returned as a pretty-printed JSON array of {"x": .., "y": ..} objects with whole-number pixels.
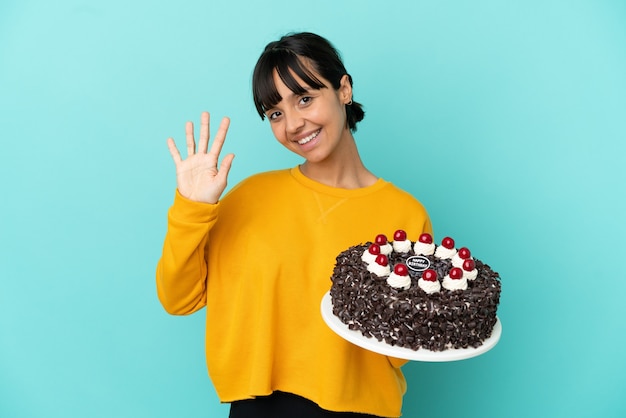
[{"x": 293, "y": 122}]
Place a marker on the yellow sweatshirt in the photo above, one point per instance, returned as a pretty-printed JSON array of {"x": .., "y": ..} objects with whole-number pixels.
[{"x": 260, "y": 261}]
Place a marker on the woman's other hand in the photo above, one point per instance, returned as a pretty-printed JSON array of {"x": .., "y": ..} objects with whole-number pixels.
[{"x": 198, "y": 177}]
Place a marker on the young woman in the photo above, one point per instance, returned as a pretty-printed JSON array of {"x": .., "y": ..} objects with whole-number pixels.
[{"x": 260, "y": 257}]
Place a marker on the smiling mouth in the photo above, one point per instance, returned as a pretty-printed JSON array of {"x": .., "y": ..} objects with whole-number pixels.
[{"x": 309, "y": 137}]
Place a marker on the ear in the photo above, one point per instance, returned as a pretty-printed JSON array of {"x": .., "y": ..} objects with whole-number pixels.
[{"x": 345, "y": 89}]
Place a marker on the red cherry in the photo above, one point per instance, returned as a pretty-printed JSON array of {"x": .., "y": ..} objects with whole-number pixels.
[
  {"x": 448, "y": 243},
  {"x": 382, "y": 260},
  {"x": 456, "y": 273},
  {"x": 469, "y": 265},
  {"x": 464, "y": 253},
  {"x": 426, "y": 238},
  {"x": 401, "y": 269},
  {"x": 374, "y": 249},
  {"x": 429, "y": 275},
  {"x": 399, "y": 235},
  {"x": 381, "y": 239}
]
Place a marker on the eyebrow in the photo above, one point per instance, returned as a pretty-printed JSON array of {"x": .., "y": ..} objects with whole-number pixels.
[
  {"x": 307, "y": 90},
  {"x": 292, "y": 94}
]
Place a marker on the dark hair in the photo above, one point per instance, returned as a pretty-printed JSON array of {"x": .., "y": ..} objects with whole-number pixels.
[{"x": 286, "y": 55}]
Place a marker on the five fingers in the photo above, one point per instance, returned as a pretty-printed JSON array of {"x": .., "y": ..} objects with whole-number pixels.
[{"x": 216, "y": 147}]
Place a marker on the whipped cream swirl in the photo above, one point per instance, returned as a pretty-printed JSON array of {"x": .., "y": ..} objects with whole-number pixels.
[
  {"x": 428, "y": 286},
  {"x": 421, "y": 248},
  {"x": 454, "y": 284},
  {"x": 377, "y": 269},
  {"x": 386, "y": 249},
  {"x": 368, "y": 257},
  {"x": 399, "y": 282},
  {"x": 444, "y": 253},
  {"x": 402, "y": 246},
  {"x": 457, "y": 261},
  {"x": 470, "y": 275}
]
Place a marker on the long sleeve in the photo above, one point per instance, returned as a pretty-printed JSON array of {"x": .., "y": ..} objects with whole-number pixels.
[
  {"x": 261, "y": 267},
  {"x": 182, "y": 269}
]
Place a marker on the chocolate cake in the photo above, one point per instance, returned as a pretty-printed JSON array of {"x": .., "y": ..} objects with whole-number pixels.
[{"x": 416, "y": 295}]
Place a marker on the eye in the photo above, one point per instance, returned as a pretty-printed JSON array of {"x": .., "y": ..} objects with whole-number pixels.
[
  {"x": 273, "y": 115},
  {"x": 305, "y": 100}
]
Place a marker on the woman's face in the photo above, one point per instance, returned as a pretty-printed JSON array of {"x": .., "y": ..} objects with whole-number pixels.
[{"x": 313, "y": 124}]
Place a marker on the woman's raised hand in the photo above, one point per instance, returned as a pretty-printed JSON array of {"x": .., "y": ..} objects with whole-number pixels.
[{"x": 198, "y": 177}]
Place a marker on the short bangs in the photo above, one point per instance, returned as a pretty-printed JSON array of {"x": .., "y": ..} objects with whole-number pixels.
[{"x": 286, "y": 63}]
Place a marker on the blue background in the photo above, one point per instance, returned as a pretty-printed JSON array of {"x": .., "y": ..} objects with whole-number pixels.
[{"x": 507, "y": 119}]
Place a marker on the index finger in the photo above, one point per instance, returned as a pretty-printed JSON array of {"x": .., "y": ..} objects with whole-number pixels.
[{"x": 220, "y": 137}]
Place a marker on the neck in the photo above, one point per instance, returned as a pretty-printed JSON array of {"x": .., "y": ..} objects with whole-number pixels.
[{"x": 344, "y": 169}]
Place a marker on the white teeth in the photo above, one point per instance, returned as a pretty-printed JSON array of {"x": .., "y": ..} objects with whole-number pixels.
[{"x": 308, "y": 138}]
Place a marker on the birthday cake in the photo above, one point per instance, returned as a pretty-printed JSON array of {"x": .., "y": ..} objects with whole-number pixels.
[{"x": 416, "y": 295}]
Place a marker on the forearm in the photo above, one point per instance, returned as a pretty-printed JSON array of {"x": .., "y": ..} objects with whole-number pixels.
[{"x": 182, "y": 269}]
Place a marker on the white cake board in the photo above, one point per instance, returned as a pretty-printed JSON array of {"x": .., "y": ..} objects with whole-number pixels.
[{"x": 381, "y": 347}]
